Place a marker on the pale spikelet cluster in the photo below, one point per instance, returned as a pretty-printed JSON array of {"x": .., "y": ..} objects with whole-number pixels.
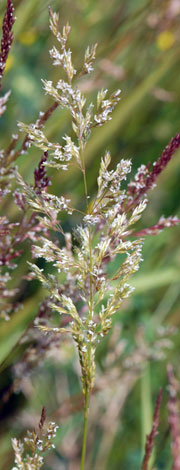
[
  {"x": 89, "y": 57},
  {"x": 29, "y": 452},
  {"x": 80, "y": 287},
  {"x": 69, "y": 96},
  {"x": 63, "y": 59},
  {"x": 105, "y": 106},
  {"x": 3, "y": 101}
]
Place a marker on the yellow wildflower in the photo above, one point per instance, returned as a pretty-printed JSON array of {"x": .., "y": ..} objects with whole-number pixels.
[
  {"x": 165, "y": 40},
  {"x": 27, "y": 38}
]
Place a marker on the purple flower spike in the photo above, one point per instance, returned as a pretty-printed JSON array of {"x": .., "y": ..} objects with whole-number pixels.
[
  {"x": 40, "y": 178},
  {"x": 151, "y": 437},
  {"x": 7, "y": 36},
  {"x": 161, "y": 163}
]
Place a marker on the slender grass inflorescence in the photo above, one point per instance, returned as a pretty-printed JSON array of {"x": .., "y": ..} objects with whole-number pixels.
[
  {"x": 150, "y": 439},
  {"x": 7, "y": 36},
  {"x": 6, "y": 41},
  {"x": 29, "y": 453},
  {"x": 173, "y": 418},
  {"x": 145, "y": 179},
  {"x": 174, "y": 424}
]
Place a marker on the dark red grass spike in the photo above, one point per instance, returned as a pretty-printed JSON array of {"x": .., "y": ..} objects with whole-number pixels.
[
  {"x": 161, "y": 163},
  {"x": 157, "y": 228},
  {"x": 150, "y": 437},
  {"x": 151, "y": 177},
  {"x": 164, "y": 159},
  {"x": 173, "y": 419},
  {"x": 41, "y": 180},
  {"x": 43, "y": 418},
  {"x": 7, "y": 35},
  {"x": 148, "y": 180}
]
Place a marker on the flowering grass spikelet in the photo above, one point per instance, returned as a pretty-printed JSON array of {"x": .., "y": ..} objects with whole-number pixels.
[{"x": 29, "y": 453}]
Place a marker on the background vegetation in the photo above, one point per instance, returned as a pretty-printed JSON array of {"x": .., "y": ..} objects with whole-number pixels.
[{"x": 139, "y": 53}]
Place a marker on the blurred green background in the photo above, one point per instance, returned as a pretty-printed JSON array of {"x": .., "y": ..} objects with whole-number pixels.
[{"x": 138, "y": 52}]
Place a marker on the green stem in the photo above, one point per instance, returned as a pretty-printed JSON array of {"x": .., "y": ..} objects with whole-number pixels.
[
  {"x": 87, "y": 394},
  {"x": 146, "y": 407},
  {"x": 85, "y": 186},
  {"x": 86, "y": 410},
  {"x": 87, "y": 391}
]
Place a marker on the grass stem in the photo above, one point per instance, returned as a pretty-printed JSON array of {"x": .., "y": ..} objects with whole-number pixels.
[{"x": 84, "y": 441}]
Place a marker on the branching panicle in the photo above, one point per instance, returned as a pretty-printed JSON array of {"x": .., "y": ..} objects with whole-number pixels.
[{"x": 106, "y": 224}]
